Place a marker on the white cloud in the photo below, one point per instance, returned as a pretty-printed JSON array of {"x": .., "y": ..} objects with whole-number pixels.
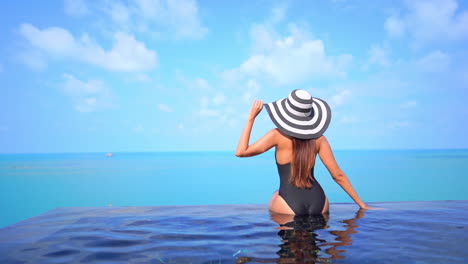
[
  {"x": 287, "y": 59},
  {"x": 208, "y": 112},
  {"x": 76, "y": 7},
  {"x": 278, "y": 13},
  {"x": 216, "y": 110},
  {"x": 430, "y": 21},
  {"x": 339, "y": 98},
  {"x": 34, "y": 59},
  {"x": 219, "y": 98},
  {"x": 205, "y": 109},
  {"x": 141, "y": 77},
  {"x": 212, "y": 106},
  {"x": 348, "y": 119},
  {"x": 377, "y": 56},
  {"x": 202, "y": 83},
  {"x": 224, "y": 114},
  {"x": 198, "y": 84},
  {"x": 87, "y": 96},
  {"x": 395, "y": 26},
  {"x": 251, "y": 92},
  {"x": 435, "y": 61},
  {"x": 164, "y": 108},
  {"x": 172, "y": 18},
  {"x": 126, "y": 54},
  {"x": 180, "y": 126}
]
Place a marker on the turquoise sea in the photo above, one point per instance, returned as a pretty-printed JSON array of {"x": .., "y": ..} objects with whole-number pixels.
[{"x": 31, "y": 184}]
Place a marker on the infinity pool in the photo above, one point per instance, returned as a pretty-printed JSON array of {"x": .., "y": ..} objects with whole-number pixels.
[{"x": 407, "y": 232}]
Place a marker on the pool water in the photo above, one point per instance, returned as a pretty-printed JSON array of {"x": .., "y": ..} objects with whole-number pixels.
[{"x": 406, "y": 232}]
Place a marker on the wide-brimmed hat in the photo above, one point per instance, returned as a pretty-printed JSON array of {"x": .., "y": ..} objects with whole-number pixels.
[{"x": 300, "y": 115}]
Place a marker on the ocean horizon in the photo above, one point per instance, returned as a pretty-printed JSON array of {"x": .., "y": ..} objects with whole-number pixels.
[
  {"x": 31, "y": 184},
  {"x": 233, "y": 151}
]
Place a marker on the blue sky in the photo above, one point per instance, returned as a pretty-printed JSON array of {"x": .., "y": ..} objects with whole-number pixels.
[{"x": 181, "y": 75}]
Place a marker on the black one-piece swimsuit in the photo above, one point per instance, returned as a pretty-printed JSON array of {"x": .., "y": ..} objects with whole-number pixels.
[{"x": 308, "y": 201}]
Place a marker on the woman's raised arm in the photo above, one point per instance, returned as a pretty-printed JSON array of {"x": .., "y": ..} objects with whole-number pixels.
[{"x": 263, "y": 144}]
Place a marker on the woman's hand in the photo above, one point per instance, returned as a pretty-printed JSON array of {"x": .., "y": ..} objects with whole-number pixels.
[
  {"x": 257, "y": 107},
  {"x": 372, "y": 208}
]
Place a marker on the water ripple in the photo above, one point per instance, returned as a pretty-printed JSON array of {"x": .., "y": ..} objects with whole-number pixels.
[{"x": 413, "y": 232}]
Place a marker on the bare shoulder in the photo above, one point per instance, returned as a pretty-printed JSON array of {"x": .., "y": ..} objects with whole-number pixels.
[
  {"x": 280, "y": 135},
  {"x": 273, "y": 135},
  {"x": 275, "y": 130},
  {"x": 321, "y": 141}
]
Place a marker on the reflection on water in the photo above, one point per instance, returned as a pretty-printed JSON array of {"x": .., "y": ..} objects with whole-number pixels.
[
  {"x": 301, "y": 244},
  {"x": 408, "y": 232}
]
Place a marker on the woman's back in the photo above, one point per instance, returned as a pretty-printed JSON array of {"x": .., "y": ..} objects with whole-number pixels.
[
  {"x": 285, "y": 150},
  {"x": 303, "y": 201}
]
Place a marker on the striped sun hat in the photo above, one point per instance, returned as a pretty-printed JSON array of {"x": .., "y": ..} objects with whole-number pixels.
[{"x": 300, "y": 115}]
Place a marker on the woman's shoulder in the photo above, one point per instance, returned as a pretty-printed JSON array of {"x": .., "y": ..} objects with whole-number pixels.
[
  {"x": 321, "y": 139},
  {"x": 280, "y": 134},
  {"x": 321, "y": 142}
]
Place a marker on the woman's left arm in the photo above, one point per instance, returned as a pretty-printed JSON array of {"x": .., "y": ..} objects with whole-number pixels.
[{"x": 263, "y": 144}]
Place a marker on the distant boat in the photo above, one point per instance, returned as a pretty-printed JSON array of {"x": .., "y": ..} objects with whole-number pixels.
[{"x": 108, "y": 155}]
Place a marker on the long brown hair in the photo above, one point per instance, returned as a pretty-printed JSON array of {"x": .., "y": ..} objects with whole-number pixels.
[{"x": 303, "y": 150}]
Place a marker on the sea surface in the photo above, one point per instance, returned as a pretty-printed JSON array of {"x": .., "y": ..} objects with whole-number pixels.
[
  {"x": 406, "y": 232},
  {"x": 32, "y": 184}
]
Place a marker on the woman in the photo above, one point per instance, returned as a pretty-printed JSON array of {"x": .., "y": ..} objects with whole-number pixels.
[{"x": 301, "y": 121}]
